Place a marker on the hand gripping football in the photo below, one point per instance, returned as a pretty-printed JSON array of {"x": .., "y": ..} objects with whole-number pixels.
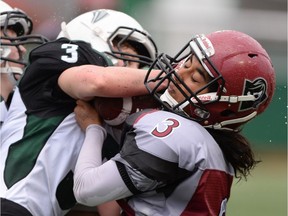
[{"x": 114, "y": 111}]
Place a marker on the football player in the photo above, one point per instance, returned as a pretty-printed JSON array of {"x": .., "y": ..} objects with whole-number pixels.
[
  {"x": 182, "y": 160},
  {"x": 16, "y": 28},
  {"x": 41, "y": 139}
]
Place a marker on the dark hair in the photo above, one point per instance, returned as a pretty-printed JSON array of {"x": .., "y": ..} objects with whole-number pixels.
[
  {"x": 141, "y": 51},
  {"x": 237, "y": 151}
]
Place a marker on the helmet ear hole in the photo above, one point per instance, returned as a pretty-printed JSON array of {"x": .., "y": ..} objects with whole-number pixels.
[
  {"x": 252, "y": 55},
  {"x": 228, "y": 113},
  {"x": 18, "y": 28}
]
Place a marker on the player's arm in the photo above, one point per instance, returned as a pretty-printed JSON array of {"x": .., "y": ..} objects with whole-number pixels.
[
  {"x": 87, "y": 81},
  {"x": 95, "y": 183}
]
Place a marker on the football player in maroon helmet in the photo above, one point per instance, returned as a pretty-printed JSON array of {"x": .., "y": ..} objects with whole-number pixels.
[
  {"x": 169, "y": 164},
  {"x": 242, "y": 80}
]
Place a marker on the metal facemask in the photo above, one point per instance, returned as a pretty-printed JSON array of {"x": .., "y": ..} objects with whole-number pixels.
[
  {"x": 193, "y": 105},
  {"x": 139, "y": 40},
  {"x": 22, "y": 25}
]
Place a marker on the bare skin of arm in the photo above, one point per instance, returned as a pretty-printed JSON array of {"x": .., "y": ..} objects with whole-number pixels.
[{"x": 87, "y": 81}]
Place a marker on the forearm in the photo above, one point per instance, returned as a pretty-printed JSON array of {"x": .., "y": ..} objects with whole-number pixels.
[
  {"x": 88, "y": 159},
  {"x": 90, "y": 154},
  {"x": 87, "y": 81},
  {"x": 96, "y": 183}
]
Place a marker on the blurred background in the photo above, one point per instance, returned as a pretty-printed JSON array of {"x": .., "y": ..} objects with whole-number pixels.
[{"x": 171, "y": 24}]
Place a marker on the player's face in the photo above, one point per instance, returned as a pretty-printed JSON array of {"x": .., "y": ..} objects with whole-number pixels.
[
  {"x": 15, "y": 53},
  {"x": 127, "y": 48},
  {"x": 194, "y": 76}
]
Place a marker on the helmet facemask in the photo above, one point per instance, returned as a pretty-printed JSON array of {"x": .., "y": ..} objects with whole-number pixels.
[
  {"x": 21, "y": 24},
  {"x": 135, "y": 38},
  {"x": 193, "y": 106}
]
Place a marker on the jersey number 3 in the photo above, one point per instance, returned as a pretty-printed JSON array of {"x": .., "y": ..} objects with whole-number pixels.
[
  {"x": 169, "y": 125},
  {"x": 71, "y": 51}
]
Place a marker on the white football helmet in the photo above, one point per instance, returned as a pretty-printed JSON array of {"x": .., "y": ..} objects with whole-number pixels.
[
  {"x": 100, "y": 27},
  {"x": 16, "y": 20}
]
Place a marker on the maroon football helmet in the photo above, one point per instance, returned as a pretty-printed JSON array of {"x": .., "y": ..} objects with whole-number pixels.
[{"x": 242, "y": 85}]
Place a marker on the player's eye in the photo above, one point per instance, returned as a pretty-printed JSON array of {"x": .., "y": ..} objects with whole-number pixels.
[{"x": 188, "y": 63}]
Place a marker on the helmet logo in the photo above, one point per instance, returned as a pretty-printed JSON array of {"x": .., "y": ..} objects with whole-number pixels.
[
  {"x": 257, "y": 88},
  {"x": 98, "y": 15}
]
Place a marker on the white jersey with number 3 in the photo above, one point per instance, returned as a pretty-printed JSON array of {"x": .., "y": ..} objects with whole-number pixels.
[
  {"x": 40, "y": 138},
  {"x": 173, "y": 166}
]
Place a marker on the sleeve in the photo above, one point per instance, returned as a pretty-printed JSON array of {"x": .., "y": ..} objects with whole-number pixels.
[
  {"x": 46, "y": 63},
  {"x": 94, "y": 182}
]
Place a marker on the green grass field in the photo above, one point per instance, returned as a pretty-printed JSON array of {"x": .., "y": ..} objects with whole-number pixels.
[{"x": 265, "y": 191}]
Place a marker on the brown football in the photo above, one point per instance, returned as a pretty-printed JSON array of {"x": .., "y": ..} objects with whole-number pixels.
[{"x": 114, "y": 111}]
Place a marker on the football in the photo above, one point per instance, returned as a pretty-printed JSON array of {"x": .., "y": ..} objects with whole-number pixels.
[{"x": 114, "y": 111}]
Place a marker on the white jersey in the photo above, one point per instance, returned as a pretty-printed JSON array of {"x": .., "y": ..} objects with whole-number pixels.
[
  {"x": 183, "y": 170},
  {"x": 3, "y": 112},
  {"x": 41, "y": 139},
  {"x": 33, "y": 175},
  {"x": 167, "y": 165}
]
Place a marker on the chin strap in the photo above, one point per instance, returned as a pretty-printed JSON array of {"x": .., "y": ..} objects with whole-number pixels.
[
  {"x": 221, "y": 125},
  {"x": 212, "y": 96},
  {"x": 166, "y": 97},
  {"x": 11, "y": 71},
  {"x": 7, "y": 69}
]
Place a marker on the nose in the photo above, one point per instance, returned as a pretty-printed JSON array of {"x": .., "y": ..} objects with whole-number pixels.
[
  {"x": 120, "y": 63},
  {"x": 22, "y": 49},
  {"x": 175, "y": 78}
]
